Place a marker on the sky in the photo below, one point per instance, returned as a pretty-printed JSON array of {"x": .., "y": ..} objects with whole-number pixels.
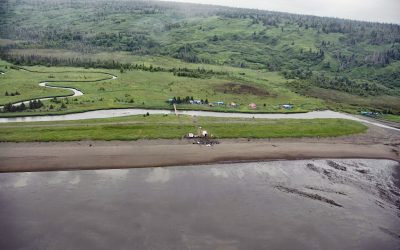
[{"x": 387, "y": 11}]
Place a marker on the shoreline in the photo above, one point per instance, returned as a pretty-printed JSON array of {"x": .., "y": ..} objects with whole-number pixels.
[{"x": 90, "y": 155}]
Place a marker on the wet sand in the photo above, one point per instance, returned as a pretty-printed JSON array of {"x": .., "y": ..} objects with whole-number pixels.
[{"x": 309, "y": 204}]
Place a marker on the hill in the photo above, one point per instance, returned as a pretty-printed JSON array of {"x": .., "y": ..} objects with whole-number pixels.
[{"x": 350, "y": 65}]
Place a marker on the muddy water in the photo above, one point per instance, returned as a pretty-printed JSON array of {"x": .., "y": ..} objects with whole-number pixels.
[
  {"x": 338, "y": 204},
  {"x": 110, "y": 113}
]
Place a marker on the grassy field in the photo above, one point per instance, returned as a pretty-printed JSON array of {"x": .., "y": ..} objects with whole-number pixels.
[
  {"x": 345, "y": 102},
  {"x": 391, "y": 118},
  {"x": 309, "y": 98},
  {"x": 26, "y": 83},
  {"x": 172, "y": 127},
  {"x": 144, "y": 89}
]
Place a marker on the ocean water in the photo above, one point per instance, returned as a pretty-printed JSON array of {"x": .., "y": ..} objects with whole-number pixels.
[{"x": 310, "y": 204}]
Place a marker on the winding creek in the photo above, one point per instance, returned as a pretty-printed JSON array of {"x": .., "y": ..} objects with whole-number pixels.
[
  {"x": 76, "y": 92},
  {"x": 110, "y": 113},
  {"x": 45, "y": 84}
]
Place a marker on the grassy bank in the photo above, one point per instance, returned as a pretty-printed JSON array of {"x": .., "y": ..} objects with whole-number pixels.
[{"x": 170, "y": 127}]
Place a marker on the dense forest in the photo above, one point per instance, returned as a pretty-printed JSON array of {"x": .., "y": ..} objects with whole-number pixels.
[{"x": 359, "y": 58}]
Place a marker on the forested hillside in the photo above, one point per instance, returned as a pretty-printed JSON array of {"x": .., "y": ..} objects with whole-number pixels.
[{"x": 340, "y": 61}]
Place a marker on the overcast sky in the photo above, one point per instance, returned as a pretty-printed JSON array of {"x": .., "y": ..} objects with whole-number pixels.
[{"x": 387, "y": 11}]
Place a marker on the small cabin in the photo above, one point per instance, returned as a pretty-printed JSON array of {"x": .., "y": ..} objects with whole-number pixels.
[
  {"x": 368, "y": 113},
  {"x": 287, "y": 106},
  {"x": 197, "y": 102},
  {"x": 253, "y": 106}
]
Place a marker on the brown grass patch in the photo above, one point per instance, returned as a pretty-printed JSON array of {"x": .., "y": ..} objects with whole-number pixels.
[{"x": 240, "y": 88}]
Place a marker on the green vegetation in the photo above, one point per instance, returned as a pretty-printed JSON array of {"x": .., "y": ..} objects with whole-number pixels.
[
  {"x": 26, "y": 83},
  {"x": 160, "y": 50},
  {"x": 147, "y": 89},
  {"x": 33, "y": 104},
  {"x": 391, "y": 118},
  {"x": 172, "y": 127}
]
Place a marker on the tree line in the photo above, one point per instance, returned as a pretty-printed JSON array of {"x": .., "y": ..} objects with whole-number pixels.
[
  {"x": 33, "y": 59},
  {"x": 33, "y": 104},
  {"x": 12, "y": 93},
  {"x": 186, "y": 100}
]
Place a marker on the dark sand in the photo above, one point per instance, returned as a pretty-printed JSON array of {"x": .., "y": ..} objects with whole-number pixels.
[
  {"x": 377, "y": 143},
  {"x": 102, "y": 155}
]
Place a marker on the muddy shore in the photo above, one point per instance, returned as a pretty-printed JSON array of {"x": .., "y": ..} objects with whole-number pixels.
[
  {"x": 306, "y": 204},
  {"x": 377, "y": 143}
]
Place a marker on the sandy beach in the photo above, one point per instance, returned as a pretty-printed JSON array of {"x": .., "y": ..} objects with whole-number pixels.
[{"x": 377, "y": 143}]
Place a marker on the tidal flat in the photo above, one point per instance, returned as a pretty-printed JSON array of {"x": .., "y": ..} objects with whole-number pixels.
[{"x": 305, "y": 204}]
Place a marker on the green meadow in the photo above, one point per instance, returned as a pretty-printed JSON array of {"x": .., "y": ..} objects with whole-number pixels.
[
  {"x": 145, "y": 89},
  {"x": 172, "y": 127}
]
